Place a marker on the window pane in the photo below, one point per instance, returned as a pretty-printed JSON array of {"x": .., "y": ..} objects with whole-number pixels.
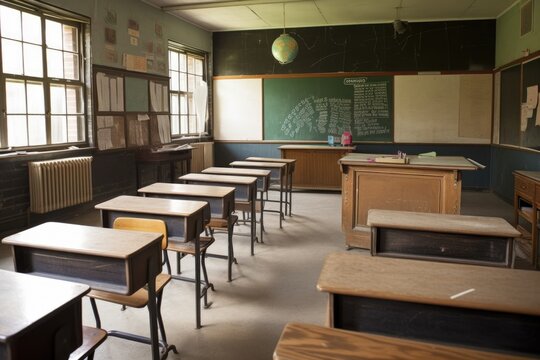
[
  {"x": 193, "y": 125},
  {"x": 174, "y": 104},
  {"x": 191, "y": 82},
  {"x": 37, "y": 134},
  {"x": 36, "y": 98},
  {"x": 174, "y": 80},
  {"x": 74, "y": 128},
  {"x": 58, "y": 99},
  {"x": 58, "y": 129},
  {"x": 10, "y": 21},
  {"x": 183, "y": 82},
  {"x": 173, "y": 60},
  {"x": 31, "y": 28},
  {"x": 70, "y": 38},
  {"x": 33, "y": 62},
  {"x": 74, "y": 99},
  {"x": 198, "y": 67},
  {"x": 13, "y": 63},
  {"x": 182, "y": 62},
  {"x": 71, "y": 66},
  {"x": 183, "y": 124},
  {"x": 190, "y": 65},
  {"x": 175, "y": 125},
  {"x": 183, "y": 104},
  {"x": 53, "y": 34},
  {"x": 15, "y": 98},
  {"x": 17, "y": 130},
  {"x": 55, "y": 64}
]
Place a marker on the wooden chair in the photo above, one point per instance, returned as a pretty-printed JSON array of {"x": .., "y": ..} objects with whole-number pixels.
[{"x": 139, "y": 299}]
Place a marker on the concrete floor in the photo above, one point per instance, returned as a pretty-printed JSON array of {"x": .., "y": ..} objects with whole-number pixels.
[{"x": 275, "y": 286}]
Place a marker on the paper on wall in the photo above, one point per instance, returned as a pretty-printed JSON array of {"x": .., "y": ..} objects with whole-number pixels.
[
  {"x": 143, "y": 117},
  {"x": 164, "y": 127},
  {"x": 532, "y": 97},
  {"x": 524, "y": 117},
  {"x": 104, "y": 139}
]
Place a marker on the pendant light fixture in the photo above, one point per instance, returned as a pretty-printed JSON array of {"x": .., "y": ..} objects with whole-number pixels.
[{"x": 285, "y": 47}]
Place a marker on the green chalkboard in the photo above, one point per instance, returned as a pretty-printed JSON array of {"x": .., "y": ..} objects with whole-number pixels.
[
  {"x": 136, "y": 94},
  {"x": 312, "y": 108}
]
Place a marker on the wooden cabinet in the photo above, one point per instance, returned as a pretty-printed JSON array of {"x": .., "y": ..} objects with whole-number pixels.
[
  {"x": 526, "y": 209},
  {"x": 430, "y": 185},
  {"x": 316, "y": 165}
]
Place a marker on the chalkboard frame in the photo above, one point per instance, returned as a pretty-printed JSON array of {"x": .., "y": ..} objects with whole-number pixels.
[{"x": 314, "y": 88}]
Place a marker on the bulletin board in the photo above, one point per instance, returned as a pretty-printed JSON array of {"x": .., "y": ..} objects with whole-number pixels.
[{"x": 131, "y": 109}]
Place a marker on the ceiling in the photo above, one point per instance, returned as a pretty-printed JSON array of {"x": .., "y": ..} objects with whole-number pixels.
[{"x": 227, "y": 15}]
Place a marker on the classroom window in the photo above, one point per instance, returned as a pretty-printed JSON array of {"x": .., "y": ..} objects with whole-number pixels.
[
  {"x": 42, "y": 78},
  {"x": 186, "y": 70}
]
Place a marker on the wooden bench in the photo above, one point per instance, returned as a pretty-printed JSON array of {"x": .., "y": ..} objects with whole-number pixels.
[
  {"x": 476, "y": 240},
  {"x": 308, "y": 342}
]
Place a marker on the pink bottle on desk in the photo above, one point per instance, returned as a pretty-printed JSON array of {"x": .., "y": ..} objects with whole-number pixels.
[{"x": 346, "y": 138}]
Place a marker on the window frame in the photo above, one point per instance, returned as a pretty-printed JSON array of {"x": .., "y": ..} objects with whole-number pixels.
[
  {"x": 197, "y": 54},
  {"x": 82, "y": 25}
]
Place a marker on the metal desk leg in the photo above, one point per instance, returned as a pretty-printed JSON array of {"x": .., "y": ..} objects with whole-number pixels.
[
  {"x": 262, "y": 217},
  {"x": 253, "y": 220},
  {"x": 230, "y": 252},
  {"x": 152, "y": 311},
  {"x": 290, "y": 193},
  {"x": 281, "y": 200},
  {"x": 198, "y": 279}
]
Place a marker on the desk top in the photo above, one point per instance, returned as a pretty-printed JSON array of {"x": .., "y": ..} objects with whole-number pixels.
[
  {"x": 225, "y": 179},
  {"x": 81, "y": 239},
  {"x": 265, "y": 159},
  {"x": 236, "y": 171},
  {"x": 259, "y": 164},
  {"x": 188, "y": 190},
  {"x": 534, "y": 175},
  {"x": 441, "y": 223},
  {"x": 495, "y": 289},
  {"x": 307, "y": 342},
  {"x": 317, "y": 147},
  {"x": 26, "y": 299},
  {"x": 155, "y": 206},
  {"x": 438, "y": 162}
]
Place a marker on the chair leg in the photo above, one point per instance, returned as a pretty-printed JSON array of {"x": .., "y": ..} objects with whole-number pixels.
[
  {"x": 166, "y": 345},
  {"x": 178, "y": 266},
  {"x": 205, "y": 274},
  {"x": 96, "y": 313}
]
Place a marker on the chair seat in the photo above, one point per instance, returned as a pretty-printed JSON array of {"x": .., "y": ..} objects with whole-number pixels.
[
  {"x": 139, "y": 299},
  {"x": 222, "y": 223},
  {"x": 246, "y": 206},
  {"x": 189, "y": 247},
  {"x": 92, "y": 338}
]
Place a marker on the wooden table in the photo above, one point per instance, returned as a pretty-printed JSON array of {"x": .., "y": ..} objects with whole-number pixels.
[
  {"x": 40, "y": 318},
  {"x": 167, "y": 156},
  {"x": 280, "y": 168},
  {"x": 307, "y": 342},
  {"x": 185, "y": 221},
  {"x": 220, "y": 199},
  {"x": 116, "y": 261},
  {"x": 291, "y": 164},
  {"x": 263, "y": 182},
  {"x": 526, "y": 208},
  {"x": 479, "y": 240},
  {"x": 316, "y": 165},
  {"x": 424, "y": 185},
  {"x": 468, "y": 305},
  {"x": 245, "y": 190}
]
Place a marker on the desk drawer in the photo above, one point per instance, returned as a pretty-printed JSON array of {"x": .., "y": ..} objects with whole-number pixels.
[{"x": 524, "y": 186}]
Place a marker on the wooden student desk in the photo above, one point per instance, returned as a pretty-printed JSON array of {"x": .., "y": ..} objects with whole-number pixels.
[
  {"x": 291, "y": 164},
  {"x": 424, "y": 185},
  {"x": 307, "y": 342},
  {"x": 479, "y": 240},
  {"x": 185, "y": 221},
  {"x": 168, "y": 156},
  {"x": 434, "y": 301},
  {"x": 40, "y": 318},
  {"x": 526, "y": 208},
  {"x": 116, "y": 261},
  {"x": 220, "y": 199},
  {"x": 245, "y": 190},
  {"x": 263, "y": 182},
  {"x": 280, "y": 168}
]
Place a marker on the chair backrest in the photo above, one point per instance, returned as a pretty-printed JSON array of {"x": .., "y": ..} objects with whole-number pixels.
[{"x": 140, "y": 224}]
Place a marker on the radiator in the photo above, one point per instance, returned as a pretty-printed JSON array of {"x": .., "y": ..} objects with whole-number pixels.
[
  {"x": 202, "y": 156},
  {"x": 60, "y": 183}
]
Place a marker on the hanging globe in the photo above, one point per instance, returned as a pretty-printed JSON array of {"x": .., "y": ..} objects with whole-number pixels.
[{"x": 285, "y": 49}]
